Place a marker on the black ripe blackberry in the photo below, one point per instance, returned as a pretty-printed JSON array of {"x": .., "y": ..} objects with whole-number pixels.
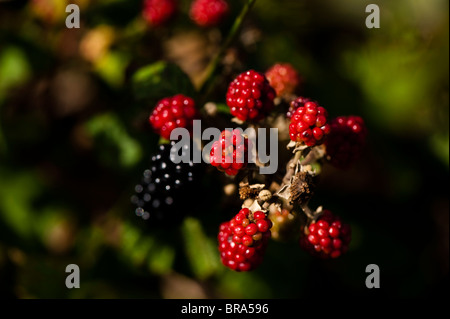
[{"x": 166, "y": 188}]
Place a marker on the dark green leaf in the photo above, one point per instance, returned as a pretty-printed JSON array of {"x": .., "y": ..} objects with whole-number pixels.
[{"x": 159, "y": 80}]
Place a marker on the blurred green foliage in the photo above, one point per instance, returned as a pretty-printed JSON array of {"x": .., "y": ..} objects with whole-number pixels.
[{"x": 69, "y": 161}]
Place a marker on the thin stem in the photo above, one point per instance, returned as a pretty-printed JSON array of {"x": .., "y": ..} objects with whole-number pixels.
[
  {"x": 308, "y": 212},
  {"x": 208, "y": 83},
  {"x": 291, "y": 167}
]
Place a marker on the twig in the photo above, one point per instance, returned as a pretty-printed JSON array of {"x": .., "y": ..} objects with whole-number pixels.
[{"x": 209, "y": 78}]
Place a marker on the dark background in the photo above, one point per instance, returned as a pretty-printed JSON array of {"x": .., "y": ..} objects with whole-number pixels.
[{"x": 74, "y": 140}]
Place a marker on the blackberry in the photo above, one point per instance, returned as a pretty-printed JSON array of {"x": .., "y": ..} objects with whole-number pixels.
[
  {"x": 284, "y": 78},
  {"x": 171, "y": 113},
  {"x": 346, "y": 141},
  {"x": 309, "y": 124},
  {"x": 208, "y": 13},
  {"x": 230, "y": 153},
  {"x": 243, "y": 240},
  {"x": 250, "y": 96},
  {"x": 161, "y": 196},
  {"x": 158, "y": 12},
  {"x": 328, "y": 237}
]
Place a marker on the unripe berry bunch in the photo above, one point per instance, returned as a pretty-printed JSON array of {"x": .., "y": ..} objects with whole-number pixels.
[
  {"x": 173, "y": 112},
  {"x": 283, "y": 78},
  {"x": 208, "y": 13},
  {"x": 158, "y": 12},
  {"x": 309, "y": 124},
  {"x": 326, "y": 238},
  {"x": 250, "y": 96},
  {"x": 345, "y": 143},
  {"x": 243, "y": 240},
  {"x": 230, "y": 153},
  {"x": 285, "y": 224}
]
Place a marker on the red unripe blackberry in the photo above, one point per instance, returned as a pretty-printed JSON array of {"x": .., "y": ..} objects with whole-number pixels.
[
  {"x": 250, "y": 96},
  {"x": 309, "y": 124},
  {"x": 230, "y": 153},
  {"x": 158, "y": 12},
  {"x": 328, "y": 237},
  {"x": 208, "y": 13},
  {"x": 283, "y": 78},
  {"x": 171, "y": 113},
  {"x": 345, "y": 143},
  {"x": 242, "y": 248}
]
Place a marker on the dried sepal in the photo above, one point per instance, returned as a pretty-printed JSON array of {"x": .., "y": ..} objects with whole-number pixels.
[
  {"x": 249, "y": 191},
  {"x": 300, "y": 187}
]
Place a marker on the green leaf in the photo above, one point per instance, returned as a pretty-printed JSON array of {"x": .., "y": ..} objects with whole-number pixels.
[
  {"x": 112, "y": 68},
  {"x": 223, "y": 108},
  {"x": 439, "y": 145},
  {"x": 202, "y": 253},
  {"x": 17, "y": 192},
  {"x": 14, "y": 68},
  {"x": 115, "y": 141},
  {"x": 161, "y": 259},
  {"x": 159, "y": 80},
  {"x": 146, "y": 250}
]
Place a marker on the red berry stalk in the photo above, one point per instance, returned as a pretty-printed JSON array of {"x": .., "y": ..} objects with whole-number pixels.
[
  {"x": 208, "y": 13},
  {"x": 243, "y": 240},
  {"x": 309, "y": 124},
  {"x": 326, "y": 238},
  {"x": 283, "y": 78},
  {"x": 158, "y": 12},
  {"x": 250, "y": 96},
  {"x": 173, "y": 112},
  {"x": 230, "y": 153},
  {"x": 345, "y": 143}
]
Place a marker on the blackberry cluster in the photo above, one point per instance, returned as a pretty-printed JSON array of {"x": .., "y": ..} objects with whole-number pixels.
[{"x": 165, "y": 188}]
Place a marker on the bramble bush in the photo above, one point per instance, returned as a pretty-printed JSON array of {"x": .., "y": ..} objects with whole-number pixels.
[{"x": 328, "y": 148}]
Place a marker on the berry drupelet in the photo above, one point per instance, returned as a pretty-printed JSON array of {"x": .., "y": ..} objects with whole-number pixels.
[
  {"x": 295, "y": 104},
  {"x": 250, "y": 96}
]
